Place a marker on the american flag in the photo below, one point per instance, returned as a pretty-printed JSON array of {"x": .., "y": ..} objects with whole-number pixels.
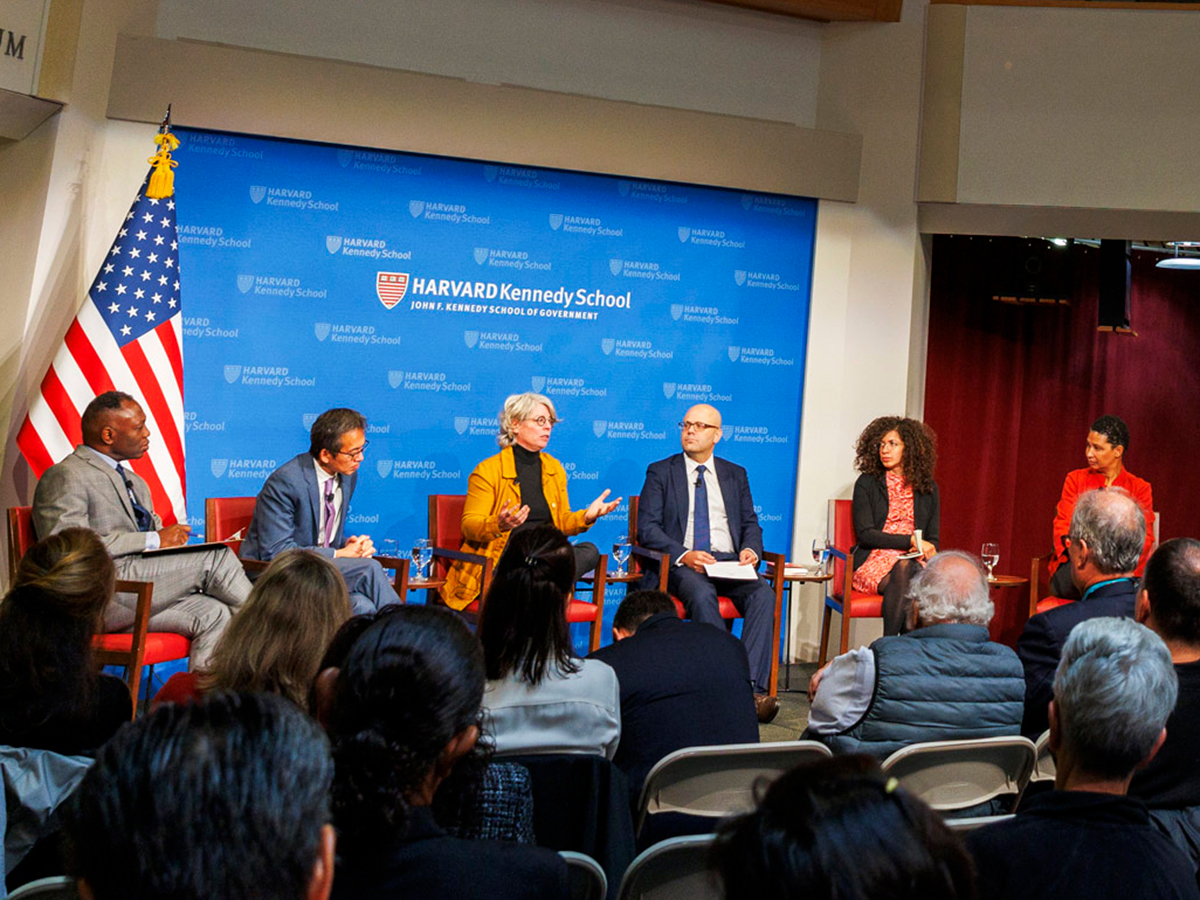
[{"x": 127, "y": 337}]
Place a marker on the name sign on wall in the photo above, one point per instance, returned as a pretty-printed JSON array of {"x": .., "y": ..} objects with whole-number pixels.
[{"x": 424, "y": 290}]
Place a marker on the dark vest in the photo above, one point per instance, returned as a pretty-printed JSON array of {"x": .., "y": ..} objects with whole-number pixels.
[{"x": 943, "y": 682}]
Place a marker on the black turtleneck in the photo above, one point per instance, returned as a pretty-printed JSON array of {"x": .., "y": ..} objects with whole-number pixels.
[{"x": 529, "y": 480}]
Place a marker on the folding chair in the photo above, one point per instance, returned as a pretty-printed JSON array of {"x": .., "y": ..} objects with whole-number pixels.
[
  {"x": 585, "y": 878},
  {"x": 956, "y": 775},
  {"x": 56, "y": 887},
  {"x": 976, "y": 822},
  {"x": 674, "y": 869},
  {"x": 719, "y": 780},
  {"x": 1044, "y": 769}
]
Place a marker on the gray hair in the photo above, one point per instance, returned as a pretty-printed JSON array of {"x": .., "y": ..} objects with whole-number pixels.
[
  {"x": 1112, "y": 524},
  {"x": 952, "y": 588},
  {"x": 518, "y": 408},
  {"x": 1114, "y": 690}
]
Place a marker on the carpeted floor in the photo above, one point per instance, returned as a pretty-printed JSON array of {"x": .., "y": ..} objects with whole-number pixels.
[{"x": 793, "y": 706}]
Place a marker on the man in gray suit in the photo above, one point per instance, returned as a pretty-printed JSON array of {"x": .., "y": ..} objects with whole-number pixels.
[
  {"x": 195, "y": 592},
  {"x": 304, "y": 504}
]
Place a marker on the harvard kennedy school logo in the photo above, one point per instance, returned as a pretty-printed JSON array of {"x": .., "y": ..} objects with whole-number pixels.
[
  {"x": 390, "y": 287},
  {"x": 218, "y": 467}
]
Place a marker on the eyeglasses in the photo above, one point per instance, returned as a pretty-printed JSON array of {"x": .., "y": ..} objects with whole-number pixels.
[
  {"x": 356, "y": 453},
  {"x": 699, "y": 426},
  {"x": 543, "y": 421},
  {"x": 890, "y": 445}
]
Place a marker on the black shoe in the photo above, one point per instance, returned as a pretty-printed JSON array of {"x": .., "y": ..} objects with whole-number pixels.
[{"x": 766, "y": 706}]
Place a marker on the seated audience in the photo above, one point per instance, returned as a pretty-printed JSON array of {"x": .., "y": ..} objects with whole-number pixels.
[
  {"x": 838, "y": 829},
  {"x": 403, "y": 713},
  {"x": 1113, "y": 691},
  {"x": 228, "y": 798},
  {"x": 275, "y": 641},
  {"x": 1169, "y": 605},
  {"x": 683, "y": 684},
  {"x": 51, "y": 695},
  {"x": 1103, "y": 546},
  {"x": 942, "y": 680},
  {"x": 539, "y": 695}
]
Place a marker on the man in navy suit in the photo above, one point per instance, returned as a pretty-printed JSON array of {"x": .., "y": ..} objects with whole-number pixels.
[
  {"x": 697, "y": 508},
  {"x": 304, "y": 502},
  {"x": 1105, "y": 541}
]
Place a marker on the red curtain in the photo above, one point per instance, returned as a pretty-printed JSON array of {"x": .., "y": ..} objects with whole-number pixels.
[{"x": 1011, "y": 390}]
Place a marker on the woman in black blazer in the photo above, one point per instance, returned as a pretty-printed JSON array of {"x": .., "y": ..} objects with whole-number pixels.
[{"x": 895, "y": 497}]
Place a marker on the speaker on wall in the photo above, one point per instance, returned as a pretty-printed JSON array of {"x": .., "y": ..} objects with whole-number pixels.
[
  {"x": 1030, "y": 270},
  {"x": 1115, "y": 271}
]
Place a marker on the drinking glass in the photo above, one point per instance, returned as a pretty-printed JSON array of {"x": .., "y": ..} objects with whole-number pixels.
[
  {"x": 621, "y": 550},
  {"x": 422, "y": 555},
  {"x": 820, "y": 552},
  {"x": 389, "y": 547},
  {"x": 990, "y": 556}
]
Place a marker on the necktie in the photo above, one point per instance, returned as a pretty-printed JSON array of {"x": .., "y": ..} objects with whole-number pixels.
[
  {"x": 700, "y": 536},
  {"x": 330, "y": 515},
  {"x": 145, "y": 521}
]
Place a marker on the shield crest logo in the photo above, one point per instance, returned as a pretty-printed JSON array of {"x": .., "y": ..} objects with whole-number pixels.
[
  {"x": 739, "y": 275},
  {"x": 615, "y": 266},
  {"x": 490, "y": 172},
  {"x": 556, "y": 221},
  {"x": 232, "y": 373},
  {"x": 308, "y": 419},
  {"x": 395, "y": 378},
  {"x": 383, "y": 467},
  {"x": 481, "y": 255},
  {"x": 345, "y": 157},
  {"x": 747, "y": 201},
  {"x": 734, "y": 353},
  {"x": 257, "y": 192},
  {"x": 321, "y": 330},
  {"x": 599, "y": 426},
  {"x": 538, "y": 382},
  {"x": 218, "y": 467},
  {"x": 415, "y": 208},
  {"x": 623, "y": 188},
  {"x": 245, "y": 282},
  {"x": 607, "y": 344},
  {"x": 461, "y": 424},
  {"x": 668, "y": 389},
  {"x": 333, "y": 242},
  {"x": 390, "y": 287},
  {"x": 684, "y": 234},
  {"x": 471, "y": 338},
  {"x": 676, "y": 311}
]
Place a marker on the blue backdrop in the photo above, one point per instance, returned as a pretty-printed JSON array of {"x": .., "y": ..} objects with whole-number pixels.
[{"x": 423, "y": 290}]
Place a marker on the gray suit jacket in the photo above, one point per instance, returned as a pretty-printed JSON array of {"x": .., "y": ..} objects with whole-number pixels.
[
  {"x": 288, "y": 512},
  {"x": 84, "y": 491}
]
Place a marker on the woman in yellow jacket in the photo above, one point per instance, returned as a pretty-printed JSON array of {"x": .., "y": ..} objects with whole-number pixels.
[{"x": 519, "y": 487}]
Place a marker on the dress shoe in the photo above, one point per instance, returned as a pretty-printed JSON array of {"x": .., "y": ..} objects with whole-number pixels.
[{"x": 766, "y": 706}]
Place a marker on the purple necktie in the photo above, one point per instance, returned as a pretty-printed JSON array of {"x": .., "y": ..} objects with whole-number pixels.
[{"x": 330, "y": 515}]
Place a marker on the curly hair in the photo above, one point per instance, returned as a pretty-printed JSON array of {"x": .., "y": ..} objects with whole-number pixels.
[
  {"x": 920, "y": 450},
  {"x": 412, "y": 681}
]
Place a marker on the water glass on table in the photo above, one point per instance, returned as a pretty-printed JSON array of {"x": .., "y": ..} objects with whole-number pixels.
[
  {"x": 621, "y": 550},
  {"x": 422, "y": 555},
  {"x": 990, "y": 554},
  {"x": 389, "y": 547}
]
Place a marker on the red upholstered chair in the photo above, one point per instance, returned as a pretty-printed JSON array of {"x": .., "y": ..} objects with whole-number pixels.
[
  {"x": 861, "y": 606},
  {"x": 1040, "y": 599},
  {"x": 445, "y": 534},
  {"x": 725, "y": 606},
  {"x": 226, "y": 520},
  {"x": 131, "y": 650}
]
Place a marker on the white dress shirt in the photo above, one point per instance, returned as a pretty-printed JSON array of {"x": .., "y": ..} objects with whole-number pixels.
[
  {"x": 720, "y": 540},
  {"x": 323, "y": 479}
]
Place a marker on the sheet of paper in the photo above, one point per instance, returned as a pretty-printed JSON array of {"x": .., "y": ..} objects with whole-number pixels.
[{"x": 730, "y": 569}]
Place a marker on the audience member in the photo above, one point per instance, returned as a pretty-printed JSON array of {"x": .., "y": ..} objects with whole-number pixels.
[
  {"x": 51, "y": 696},
  {"x": 1113, "y": 691},
  {"x": 404, "y": 716},
  {"x": 942, "y": 680},
  {"x": 838, "y": 829},
  {"x": 228, "y": 798},
  {"x": 1103, "y": 546},
  {"x": 683, "y": 684},
  {"x": 275, "y": 641},
  {"x": 539, "y": 695}
]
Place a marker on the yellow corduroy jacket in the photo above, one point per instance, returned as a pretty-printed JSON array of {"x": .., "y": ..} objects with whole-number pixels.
[{"x": 491, "y": 485}]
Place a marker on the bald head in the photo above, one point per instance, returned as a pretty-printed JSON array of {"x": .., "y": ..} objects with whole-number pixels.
[
  {"x": 952, "y": 588},
  {"x": 701, "y": 431}
]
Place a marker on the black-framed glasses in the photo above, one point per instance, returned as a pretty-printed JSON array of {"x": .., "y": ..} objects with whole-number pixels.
[
  {"x": 699, "y": 426},
  {"x": 356, "y": 453}
]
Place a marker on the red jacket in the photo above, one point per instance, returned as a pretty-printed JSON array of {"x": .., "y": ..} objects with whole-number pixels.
[{"x": 1081, "y": 480}]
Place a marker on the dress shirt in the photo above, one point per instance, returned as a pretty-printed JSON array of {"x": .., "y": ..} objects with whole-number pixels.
[
  {"x": 720, "y": 540},
  {"x": 153, "y": 541},
  {"x": 323, "y": 479},
  {"x": 845, "y": 692}
]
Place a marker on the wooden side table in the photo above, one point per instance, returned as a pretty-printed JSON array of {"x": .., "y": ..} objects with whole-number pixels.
[
  {"x": 1012, "y": 608},
  {"x": 784, "y": 585}
]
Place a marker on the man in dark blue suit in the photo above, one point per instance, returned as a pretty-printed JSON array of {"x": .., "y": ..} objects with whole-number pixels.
[
  {"x": 697, "y": 508},
  {"x": 304, "y": 503},
  {"x": 1104, "y": 544}
]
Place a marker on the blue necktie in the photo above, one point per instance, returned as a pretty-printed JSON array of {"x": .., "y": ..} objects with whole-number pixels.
[
  {"x": 145, "y": 521},
  {"x": 700, "y": 535}
]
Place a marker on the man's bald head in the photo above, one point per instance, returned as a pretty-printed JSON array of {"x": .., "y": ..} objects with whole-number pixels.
[
  {"x": 115, "y": 425},
  {"x": 703, "y": 412},
  {"x": 701, "y": 431},
  {"x": 952, "y": 588}
]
